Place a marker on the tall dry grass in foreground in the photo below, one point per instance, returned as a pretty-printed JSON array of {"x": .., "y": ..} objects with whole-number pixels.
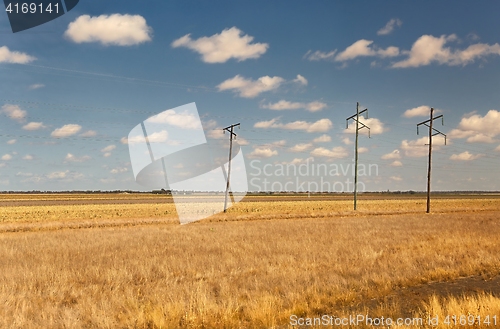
[{"x": 242, "y": 274}]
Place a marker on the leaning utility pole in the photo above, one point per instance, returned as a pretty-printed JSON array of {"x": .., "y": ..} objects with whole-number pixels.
[
  {"x": 231, "y": 134},
  {"x": 355, "y": 117},
  {"x": 432, "y": 132}
]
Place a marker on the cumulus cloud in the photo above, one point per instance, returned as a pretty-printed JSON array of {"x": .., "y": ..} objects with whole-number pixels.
[
  {"x": 320, "y": 55},
  {"x": 72, "y": 158},
  {"x": 336, "y": 152},
  {"x": 262, "y": 152},
  {"x": 108, "y": 148},
  {"x": 362, "y": 150},
  {"x": 465, "y": 156},
  {"x": 390, "y": 26},
  {"x": 396, "y": 163},
  {"x": 301, "y": 147},
  {"x": 28, "y": 157},
  {"x": 156, "y": 137},
  {"x": 418, "y": 148},
  {"x": 321, "y": 125},
  {"x": 115, "y": 29},
  {"x": 119, "y": 170},
  {"x": 33, "y": 126},
  {"x": 184, "y": 120},
  {"x": 347, "y": 141},
  {"x": 322, "y": 139},
  {"x": 66, "y": 131},
  {"x": 362, "y": 48},
  {"x": 36, "y": 86},
  {"x": 421, "y": 111},
  {"x": 300, "y": 80},
  {"x": 14, "y": 57},
  {"x": 219, "y": 48},
  {"x": 14, "y": 112},
  {"x": 376, "y": 126},
  {"x": 498, "y": 148},
  {"x": 286, "y": 105},
  {"x": 12, "y": 141},
  {"x": 396, "y": 178},
  {"x": 391, "y": 156},
  {"x": 89, "y": 133},
  {"x": 429, "y": 49},
  {"x": 6, "y": 157},
  {"x": 249, "y": 88},
  {"x": 477, "y": 128}
]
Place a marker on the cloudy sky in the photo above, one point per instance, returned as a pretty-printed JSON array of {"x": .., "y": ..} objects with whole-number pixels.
[{"x": 290, "y": 72}]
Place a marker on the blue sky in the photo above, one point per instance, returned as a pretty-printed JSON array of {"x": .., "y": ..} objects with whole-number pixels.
[{"x": 290, "y": 72}]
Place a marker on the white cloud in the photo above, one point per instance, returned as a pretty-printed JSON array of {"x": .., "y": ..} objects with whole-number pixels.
[
  {"x": 14, "y": 112},
  {"x": 465, "y": 156},
  {"x": 108, "y": 148},
  {"x": 418, "y": 148},
  {"x": 362, "y": 150},
  {"x": 391, "y": 156},
  {"x": 184, "y": 120},
  {"x": 477, "y": 128},
  {"x": 362, "y": 48},
  {"x": 429, "y": 49},
  {"x": 347, "y": 141},
  {"x": 319, "y": 55},
  {"x": 389, "y": 27},
  {"x": 107, "y": 154},
  {"x": 115, "y": 29},
  {"x": 119, "y": 170},
  {"x": 321, "y": 125},
  {"x": 216, "y": 134},
  {"x": 89, "y": 133},
  {"x": 15, "y": 57},
  {"x": 36, "y": 86},
  {"x": 336, "y": 152},
  {"x": 28, "y": 157},
  {"x": 376, "y": 127},
  {"x": 71, "y": 158},
  {"x": 66, "y": 131},
  {"x": 421, "y": 111},
  {"x": 300, "y": 80},
  {"x": 396, "y": 163},
  {"x": 219, "y": 48},
  {"x": 262, "y": 152},
  {"x": 322, "y": 139},
  {"x": 33, "y": 126},
  {"x": 6, "y": 157},
  {"x": 396, "y": 178},
  {"x": 286, "y": 105},
  {"x": 12, "y": 141},
  {"x": 279, "y": 143},
  {"x": 498, "y": 148},
  {"x": 156, "y": 137},
  {"x": 57, "y": 174},
  {"x": 241, "y": 141},
  {"x": 301, "y": 147},
  {"x": 249, "y": 88}
]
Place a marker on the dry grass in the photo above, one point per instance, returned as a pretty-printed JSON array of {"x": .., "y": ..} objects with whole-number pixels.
[
  {"x": 236, "y": 274},
  {"x": 472, "y": 311}
]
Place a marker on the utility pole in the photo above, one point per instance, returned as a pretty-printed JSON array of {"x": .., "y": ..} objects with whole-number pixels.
[
  {"x": 355, "y": 117},
  {"x": 432, "y": 132},
  {"x": 229, "y": 129}
]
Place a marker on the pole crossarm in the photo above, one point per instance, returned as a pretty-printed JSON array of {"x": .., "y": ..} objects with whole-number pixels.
[{"x": 435, "y": 132}]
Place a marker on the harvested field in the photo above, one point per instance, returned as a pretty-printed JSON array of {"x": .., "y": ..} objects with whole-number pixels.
[{"x": 105, "y": 265}]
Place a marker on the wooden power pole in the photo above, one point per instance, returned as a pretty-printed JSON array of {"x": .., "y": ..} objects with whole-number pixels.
[
  {"x": 355, "y": 117},
  {"x": 231, "y": 135},
  {"x": 432, "y": 132}
]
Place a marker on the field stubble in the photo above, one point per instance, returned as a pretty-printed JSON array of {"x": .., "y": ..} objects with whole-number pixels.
[{"x": 231, "y": 271}]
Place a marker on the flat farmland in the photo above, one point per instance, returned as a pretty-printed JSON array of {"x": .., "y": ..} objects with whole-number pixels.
[{"x": 123, "y": 261}]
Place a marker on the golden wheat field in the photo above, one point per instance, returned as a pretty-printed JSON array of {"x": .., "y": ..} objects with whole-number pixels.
[{"x": 123, "y": 261}]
